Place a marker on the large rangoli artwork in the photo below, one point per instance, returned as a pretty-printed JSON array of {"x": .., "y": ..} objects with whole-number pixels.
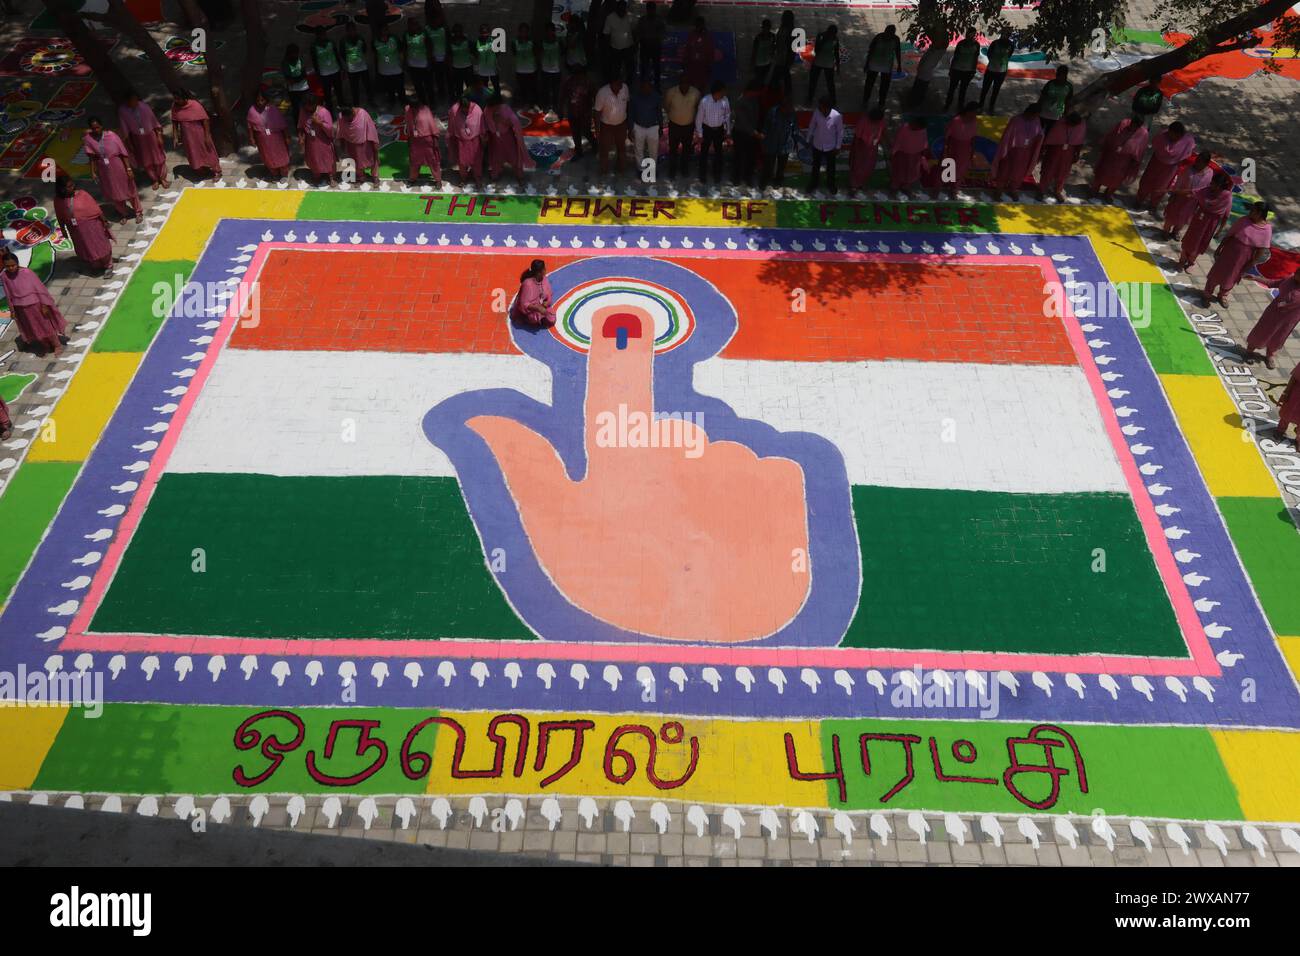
[{"x": 842, "y": 506}]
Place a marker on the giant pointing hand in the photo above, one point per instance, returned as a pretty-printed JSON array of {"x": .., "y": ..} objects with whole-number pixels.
[
  {"x": 604, "y": 524},
  {"x": 668, "y": 534}
]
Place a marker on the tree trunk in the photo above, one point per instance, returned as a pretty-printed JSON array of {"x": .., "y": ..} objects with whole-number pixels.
[
  {"x": 90, "y": 49},
  {"x": 255, "y": 55},
  {"x": 1216, "y": 40},
  {"x": 120, "y": 17},
  {"x": 224, "y": 136}
]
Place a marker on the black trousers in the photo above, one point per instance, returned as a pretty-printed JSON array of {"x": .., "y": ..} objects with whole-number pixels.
[
  {"x": 422, "y": 81},
  {"x": 745, "y": 156},
  {"x": 394, "y": 87},
  {"x": 550, "y": 90},
  {"x": 681, "y": 146},
  {"x": 830, "y": 83},
  {"x": 712, "y": 137},
  {"x": 460, "y": 80},
  {"x": 958, "y": 82},
  {"x": 820, "y": 158},
  {"x": 333, "y": 88},
  {"x": 440, "y": 77},
  {"x": 525, "y": 89},
  {"x": 872, "y": 76},
  {"x": 355, "y": 82},
  {"x": 580, "y": 129},
  {"x": 651, "y": 57},
  {"x": 772, "y": 171},
  {"x": 989, "y": 90}
]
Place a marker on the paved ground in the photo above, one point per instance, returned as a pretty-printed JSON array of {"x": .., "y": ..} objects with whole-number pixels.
[{"x": 1239, "y": 118}]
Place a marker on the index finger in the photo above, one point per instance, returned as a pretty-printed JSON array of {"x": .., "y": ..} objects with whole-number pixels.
[{"x": 620, "y": 366}]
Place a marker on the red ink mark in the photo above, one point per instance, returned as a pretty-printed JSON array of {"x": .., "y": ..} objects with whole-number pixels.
[
  {"x": 1048, "y": 766},
  {"x": 938, "y": 769},
  {"x": 906, "y": 740},
  {"x": 579, "y": 729}
]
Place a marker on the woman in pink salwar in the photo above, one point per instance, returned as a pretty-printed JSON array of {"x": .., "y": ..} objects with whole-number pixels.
[
  {"x": 1245, "y": 244},
  {"x": 505, "y": 140},
  {"x": 1017, "y": 152},
  {"x": 270, "y": 133},
  {"x": 1120, "y": 156},
  {"x": 38, "y": 318},
  {"x": 909, "y": 155},
  {"x": 1182, "y": 195},
  {"x": 6, "y": 423},
  {"x": 193, "y": 131},
  {"x": 360, "y": 139},
  {"x": 83, "y": 222},
  {"x": 1062, "y": 145},
  {"x": 1288, "y": 411},
  {"x": 316, "y": 138},
  {"x": 143, "y": 135},
  {"x": 865, "y": 147},
  {"x": 422, "y": 134},
  {"x": 959, "y": 146},
  {"x": 110, "y": 164},
  {"x": 533, "y": 304},
  {"x": 1169, "y": 150},
  {"x": 1278, "y": 320},
  {"x": 1209, "y": 213},
  {"x": 465, "y": 138}
]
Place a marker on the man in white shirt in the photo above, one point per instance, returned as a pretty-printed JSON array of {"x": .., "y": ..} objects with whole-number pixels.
[
  {"x": 610, "y": 108},
  {"x": 621, "y": 60},
  {"x": 825, "y": 135},
  {"x": 713, "y": 126}
]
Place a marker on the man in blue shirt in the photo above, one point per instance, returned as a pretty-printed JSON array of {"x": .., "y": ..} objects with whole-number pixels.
[
  {"x": 645, "y": 110},
  {"x": 780, "y": 130}
]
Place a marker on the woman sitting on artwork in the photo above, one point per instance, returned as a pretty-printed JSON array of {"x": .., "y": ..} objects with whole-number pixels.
[
  {"x": 39, "y": 320},
  {"x": 533, "y": 304}
]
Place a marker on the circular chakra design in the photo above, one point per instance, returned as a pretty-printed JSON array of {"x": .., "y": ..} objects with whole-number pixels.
[{"x": 673, "y": 320}]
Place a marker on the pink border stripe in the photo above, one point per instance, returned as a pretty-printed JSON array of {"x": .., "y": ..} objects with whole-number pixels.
[{"x": 1202, "y": 661}]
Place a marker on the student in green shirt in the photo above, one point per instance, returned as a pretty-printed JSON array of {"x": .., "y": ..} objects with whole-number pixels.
[
  {"x": 995, "y": 70},
  {"x": 525, "y": 52},
  {"x": 485, "y": 59},
  {"x": 552, "y": 53},
  {"x": 462, "y": 60},
  {"x": 575, "y": 44},
  {"x": 295, "y": 75},
  {"x": 965, "y": 58},
  {"x": 439, "y": 76},
  {"x": 352, "y": 51},
  {"x": 415, "y": 54},
  {"x": 326, "y": 60},
  {"x": 884, "y": 56},
  {"x": 1055, "y": 97},
  {"x": 1147, "y": 101},
  {"x": 388, "y": 66}
]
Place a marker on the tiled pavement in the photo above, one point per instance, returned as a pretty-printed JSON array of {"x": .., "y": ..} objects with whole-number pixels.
[
  {"x": 1214, "y": 111},
  {"x": 642, "y": 833}
]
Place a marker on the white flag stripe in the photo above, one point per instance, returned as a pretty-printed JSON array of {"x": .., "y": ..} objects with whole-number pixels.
[
  {"x": 1016, "y": 428},
  {"x": 335, "y": 413},
  {"x": 902, "y": 424}
]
